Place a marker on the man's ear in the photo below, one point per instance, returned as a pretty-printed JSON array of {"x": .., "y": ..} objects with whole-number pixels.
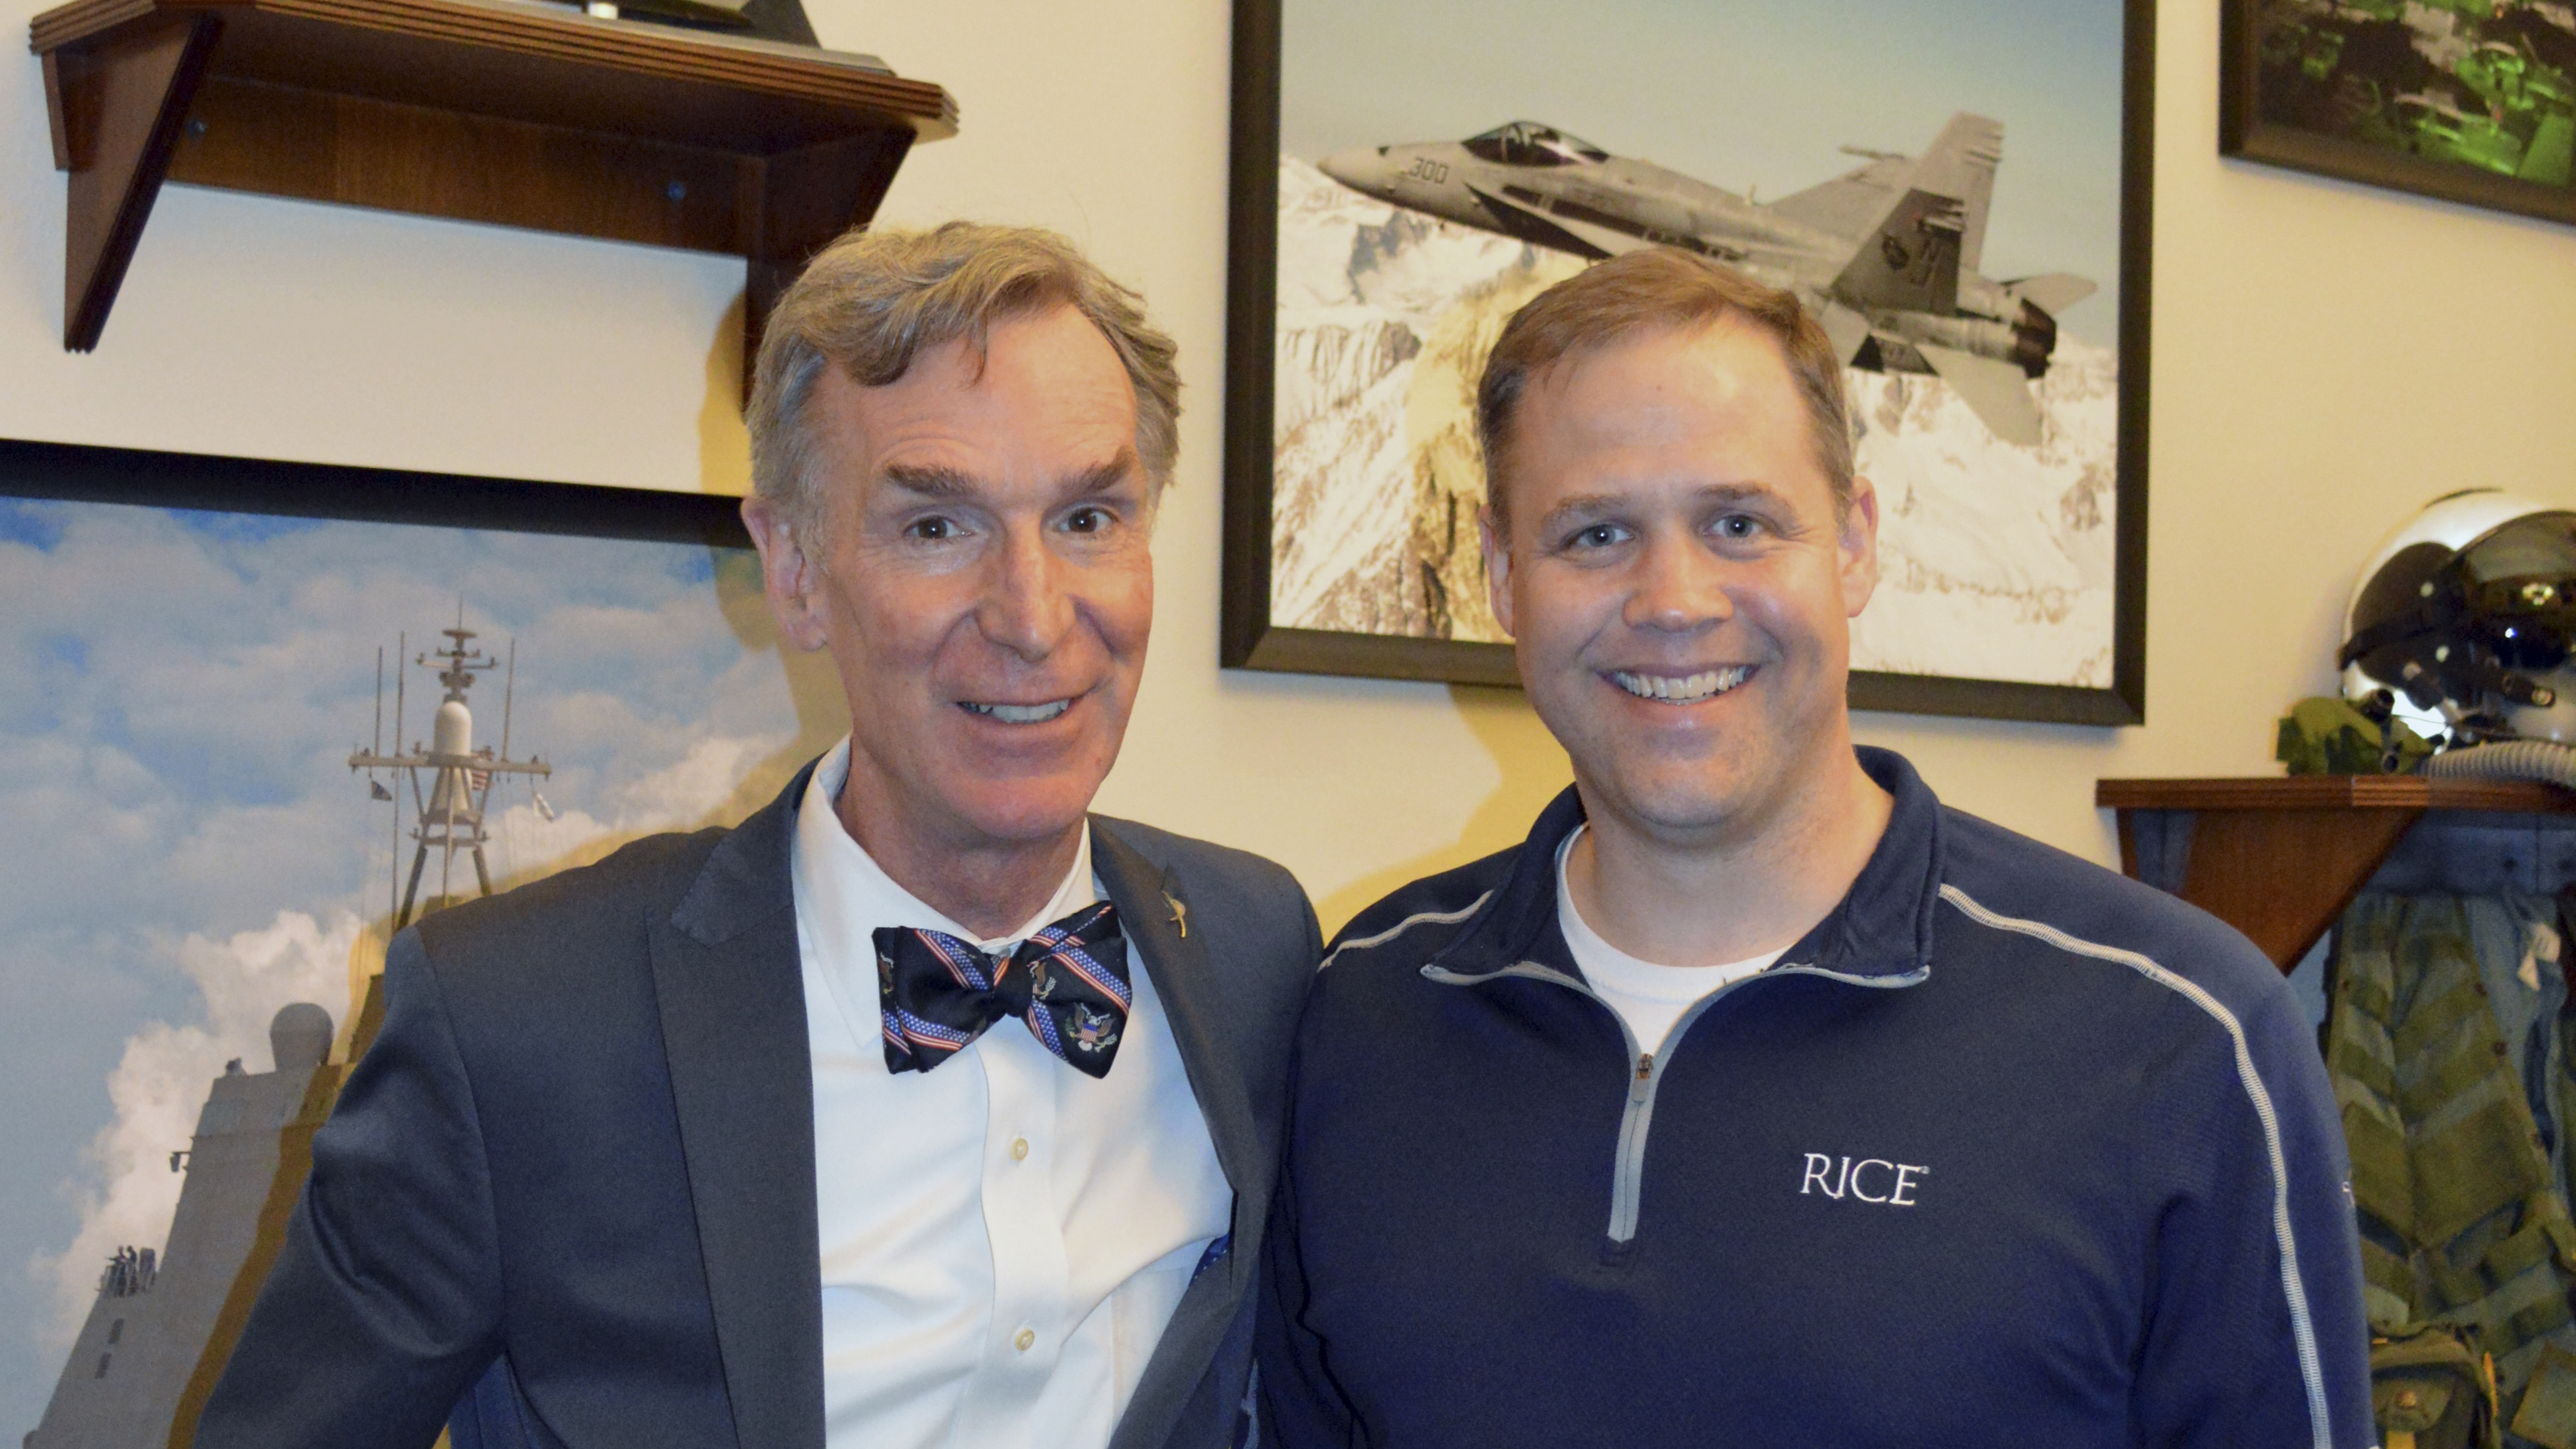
[
  {"x": 1498, "y": 567},
  {"x": 1858, "y": 546},
  {"x": 790, "y": 577}
]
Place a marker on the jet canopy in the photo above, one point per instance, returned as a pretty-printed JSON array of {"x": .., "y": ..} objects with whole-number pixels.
[{"x": 1527, "y": 143}]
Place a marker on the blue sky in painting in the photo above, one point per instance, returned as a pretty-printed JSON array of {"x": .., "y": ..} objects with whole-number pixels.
[{"x": 30, "y": 525}]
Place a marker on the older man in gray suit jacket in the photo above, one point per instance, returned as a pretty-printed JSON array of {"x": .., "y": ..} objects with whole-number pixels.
[{"x": 924, "y": 1108}]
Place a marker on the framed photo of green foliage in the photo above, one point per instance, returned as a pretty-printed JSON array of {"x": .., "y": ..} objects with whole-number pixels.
[{"x": 2471, "y": 101}]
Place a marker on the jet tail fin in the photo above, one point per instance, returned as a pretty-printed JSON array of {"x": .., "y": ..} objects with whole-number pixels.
[
  {"x": 1933, "y": 225},
  {"x": 1962, "y": 164},
  {"x": 1996, "y": 392}
]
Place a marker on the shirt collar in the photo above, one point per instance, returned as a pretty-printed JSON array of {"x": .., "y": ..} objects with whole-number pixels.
[
  {"x": 844, "y": 895},
  {"x": 1881, "y": 927},
  {"x": 1592, "y": 957}
]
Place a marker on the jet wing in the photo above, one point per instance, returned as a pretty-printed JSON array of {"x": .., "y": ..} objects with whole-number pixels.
[
  {"x": 1848, "y": 205},
  {"x": 1996, "y": 392},
  {"x": 1959, "y": 165},
  {"x": 1609, "y": 241},
  {"x": 1847, "y": 329},
  {"x": 1554, "y": 228}
]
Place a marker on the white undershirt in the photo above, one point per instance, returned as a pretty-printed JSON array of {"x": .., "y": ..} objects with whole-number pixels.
[
  {"x": 1003, "y": 1239},
  {"x": 1650, "y": 998}
]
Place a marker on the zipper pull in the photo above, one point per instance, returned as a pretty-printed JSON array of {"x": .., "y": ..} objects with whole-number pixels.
[{"x": 1645, "y": 1072}]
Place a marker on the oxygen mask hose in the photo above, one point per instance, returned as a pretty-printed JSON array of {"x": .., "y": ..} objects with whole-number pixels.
[{"x": 2544, "y": 760}]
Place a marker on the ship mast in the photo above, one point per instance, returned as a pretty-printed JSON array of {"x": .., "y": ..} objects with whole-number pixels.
[{"x": 451, "y": 779}]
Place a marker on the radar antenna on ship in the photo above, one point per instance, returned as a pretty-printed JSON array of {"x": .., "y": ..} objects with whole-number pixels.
[{"x": 451, "y": 779}]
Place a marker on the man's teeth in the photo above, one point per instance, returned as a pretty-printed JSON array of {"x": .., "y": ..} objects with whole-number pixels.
[
  {"x": 1687, "y": 690},
  {"x": 1022, "y": 713}
]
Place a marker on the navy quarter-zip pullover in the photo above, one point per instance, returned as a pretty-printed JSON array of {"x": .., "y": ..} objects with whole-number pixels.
[{"x": 2008, "y": 1150}]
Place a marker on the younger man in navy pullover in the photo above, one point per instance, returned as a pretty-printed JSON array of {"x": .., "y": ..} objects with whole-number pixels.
[{"x": 1758, "y": 1098}]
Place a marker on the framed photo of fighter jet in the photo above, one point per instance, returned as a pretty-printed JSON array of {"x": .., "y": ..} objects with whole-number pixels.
[
  {"x": 1962, "y": 198},
  {"x": 2465, "y": 100}
]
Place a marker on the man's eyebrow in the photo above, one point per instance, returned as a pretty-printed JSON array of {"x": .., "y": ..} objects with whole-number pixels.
[
  {"x": 1103, "y": 477},
  {"x": 1752, "y": 492},
  {"x": 1594, "y": 505},
  {"x": 1582, "y": 505},
  {"x": 933, "y": 480},
  {"x": 929, "y": 480}
]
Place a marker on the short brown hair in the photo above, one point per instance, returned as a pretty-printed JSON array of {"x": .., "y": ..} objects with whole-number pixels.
[
  {"x": 1658, "y": 287},
  {"x": 874, "y": 299}
]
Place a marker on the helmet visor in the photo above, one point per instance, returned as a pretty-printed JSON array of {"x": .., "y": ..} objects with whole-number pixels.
[{"x": 2524, "y": 572}]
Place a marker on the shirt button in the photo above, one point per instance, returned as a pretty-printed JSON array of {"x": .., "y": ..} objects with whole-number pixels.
[
  {"x": 1024, "y": 1339},
  {"x": 1019, "y": 1149}
]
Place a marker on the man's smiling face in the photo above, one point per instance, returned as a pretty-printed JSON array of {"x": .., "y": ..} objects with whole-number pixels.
[
  {"x": 985, "y": 587},
  {"x": 1678, "y": 582}
]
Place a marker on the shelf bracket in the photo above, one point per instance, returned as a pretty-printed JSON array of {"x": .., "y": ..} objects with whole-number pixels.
[
  {"x": 121, "y": 100},
  {"x": 2280, "y": 857},
  {"x": 490, "y": 111},
  {"x": 802, "y": 200}
]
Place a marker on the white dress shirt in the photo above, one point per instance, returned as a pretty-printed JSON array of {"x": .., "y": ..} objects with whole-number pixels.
[
  {"x": 1650, "y": 998},
  {"x": 1003, "y": 1239}
]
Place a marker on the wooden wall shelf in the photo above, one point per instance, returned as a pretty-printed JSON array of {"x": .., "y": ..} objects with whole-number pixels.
[
  {"x": 515, "y": 112},
  {"x": 2280, "y": 858}
]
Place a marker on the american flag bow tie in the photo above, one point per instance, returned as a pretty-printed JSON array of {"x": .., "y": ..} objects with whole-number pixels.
[{"x": 1068, "y": 982}]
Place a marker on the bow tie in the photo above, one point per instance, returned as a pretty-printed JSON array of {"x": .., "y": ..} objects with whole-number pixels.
[{"x": 1068, "y": 982}]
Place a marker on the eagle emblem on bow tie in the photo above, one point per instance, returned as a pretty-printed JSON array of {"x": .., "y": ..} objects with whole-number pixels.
[{"x": 1093, "y": 1030}]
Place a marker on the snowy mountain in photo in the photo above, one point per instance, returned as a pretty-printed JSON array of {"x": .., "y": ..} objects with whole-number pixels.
[{"x": 1995, "y": 560}]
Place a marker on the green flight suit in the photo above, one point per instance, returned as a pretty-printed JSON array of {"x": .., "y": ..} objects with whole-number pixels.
[{"x": 2464, "y": 1216}]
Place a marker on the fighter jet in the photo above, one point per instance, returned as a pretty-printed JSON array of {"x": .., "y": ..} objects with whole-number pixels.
[{"x": 1885, "y": 256}]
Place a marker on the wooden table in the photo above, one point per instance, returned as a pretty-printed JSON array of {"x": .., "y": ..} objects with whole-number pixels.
[
  {"x": 2280, "y": 858},
  {"x": 516, "y": 112}
]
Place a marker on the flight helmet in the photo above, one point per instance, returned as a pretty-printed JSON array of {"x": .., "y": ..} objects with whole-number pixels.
[{"x": 2464, "y": 623}]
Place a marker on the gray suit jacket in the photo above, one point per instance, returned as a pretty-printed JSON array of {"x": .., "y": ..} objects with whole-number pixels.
[{"x": 575, "y": 1173}]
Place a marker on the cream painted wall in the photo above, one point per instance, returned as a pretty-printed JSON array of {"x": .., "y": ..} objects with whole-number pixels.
[{"x": 2326, "y": 358}]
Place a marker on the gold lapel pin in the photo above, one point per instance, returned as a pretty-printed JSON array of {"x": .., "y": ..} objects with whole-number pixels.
[{"x": 1180, "y": 913}]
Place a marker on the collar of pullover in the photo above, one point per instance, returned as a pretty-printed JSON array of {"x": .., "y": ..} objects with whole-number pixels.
[{"x": 1881, "y": 927}]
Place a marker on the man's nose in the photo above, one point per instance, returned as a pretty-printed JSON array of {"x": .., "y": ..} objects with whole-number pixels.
[
  {"x": 1027, "y": 608},
  {"x": 1679, "y": 587}
]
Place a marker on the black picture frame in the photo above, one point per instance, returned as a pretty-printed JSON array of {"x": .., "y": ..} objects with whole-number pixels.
[
  {"x": 85, "y": 473},
  {"x": 1248, "y": 639},
  {"x": 2245, "y": 134}
]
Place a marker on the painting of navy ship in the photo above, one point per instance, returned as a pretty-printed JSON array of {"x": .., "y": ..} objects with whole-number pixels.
[
  {"x": 164, "y": 1320},
  {"x": 267, "y": 745}
]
